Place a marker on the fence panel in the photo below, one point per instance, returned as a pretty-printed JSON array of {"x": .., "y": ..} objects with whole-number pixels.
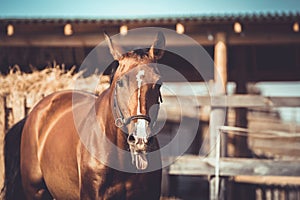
[{"x": 15, "y": 107}]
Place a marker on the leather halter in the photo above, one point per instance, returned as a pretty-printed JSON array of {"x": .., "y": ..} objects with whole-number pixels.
[{"x": 121, "y": 121}]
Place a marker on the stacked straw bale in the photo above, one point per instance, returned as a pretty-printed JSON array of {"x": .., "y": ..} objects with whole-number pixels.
[{"x": 49, "y": 80}]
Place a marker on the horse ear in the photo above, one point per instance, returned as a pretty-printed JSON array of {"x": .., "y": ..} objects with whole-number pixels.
[
  {"x": 158, "y": 47},
  {"x": 115, "y": 50}
]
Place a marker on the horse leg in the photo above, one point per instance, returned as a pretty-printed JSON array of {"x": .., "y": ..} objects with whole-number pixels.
[
  {"x": 31, "y": 173},
  {"x": 89, "y": 181},
  {"x": 17, "y": 173},
  {"x": 93, "y": 175},
  {"x": 37, "y": 191},
  {"x": 34, "y": 185},
  {"x": 89, "y": 186},
  {"x": 95, "y": 186},
  {"x": 97, "y": 183}
]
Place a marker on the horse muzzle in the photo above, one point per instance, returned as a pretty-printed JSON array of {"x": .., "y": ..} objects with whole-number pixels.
[
  {"x": 138, "y": 150},
  {"x": 139, "y": 144}
]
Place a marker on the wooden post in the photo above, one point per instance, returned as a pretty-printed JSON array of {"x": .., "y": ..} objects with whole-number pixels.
[
  {"x": 240, "y": 142},
  {"x": 18, "y": 108},
  {"x": 219, "y": 88},
  {"x": 16, "y": 102},
  {"x": 241, "y": 149},
  {"x": 220, "y": 59},
  {"x": 217, "y": 115}
]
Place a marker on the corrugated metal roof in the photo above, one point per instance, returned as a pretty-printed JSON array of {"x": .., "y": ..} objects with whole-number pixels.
[{"x": 220, "y": 18}]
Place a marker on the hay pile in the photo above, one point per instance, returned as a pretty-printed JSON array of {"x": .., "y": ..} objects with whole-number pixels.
[{"x": 47, "y": 81}]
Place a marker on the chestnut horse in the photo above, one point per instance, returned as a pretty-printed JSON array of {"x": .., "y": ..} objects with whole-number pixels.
[{"x": 66, "y": 147}]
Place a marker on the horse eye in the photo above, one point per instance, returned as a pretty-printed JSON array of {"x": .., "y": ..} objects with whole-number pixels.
[
  {"x": 157, "y": 86},
  {"x": 120, "y": 83}
]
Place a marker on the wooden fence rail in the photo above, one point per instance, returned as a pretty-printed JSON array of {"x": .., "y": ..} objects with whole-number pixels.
[
  {"x": 201, "y": 166},
  {"x": 15, "y": 107}
]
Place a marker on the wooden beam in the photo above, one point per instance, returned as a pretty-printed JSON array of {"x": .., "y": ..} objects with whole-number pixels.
[
  {"x": 264, "y": 38},
  {"x": 53, "y": 40},
  {"x": 205, "y": 166},
  {"x": 235, "y": 101},
  {"x": 268, "y": 180},
  {"x": 93, "y": 39}
]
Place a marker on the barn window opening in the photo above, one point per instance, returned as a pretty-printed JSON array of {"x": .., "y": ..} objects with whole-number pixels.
[
  {"x": 179, "y": 28},
  {"x": 237, "y": 27},
  {"x": 123, "y": 30},
  {"x": 68, "y": 29},
  {"x": 296, "y": 27},
  {"x": 10, "y": 30}
]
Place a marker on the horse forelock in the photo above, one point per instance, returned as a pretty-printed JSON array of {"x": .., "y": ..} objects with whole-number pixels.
[
  {"x": 133, "y": 59},
  {"x": 138, "y": 53}
]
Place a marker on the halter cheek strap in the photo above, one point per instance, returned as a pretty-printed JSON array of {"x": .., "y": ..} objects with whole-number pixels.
[{"x": 145, "y": 117}]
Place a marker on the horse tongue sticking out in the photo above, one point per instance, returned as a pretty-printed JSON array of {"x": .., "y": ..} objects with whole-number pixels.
[{"x": 141, "y": 161}]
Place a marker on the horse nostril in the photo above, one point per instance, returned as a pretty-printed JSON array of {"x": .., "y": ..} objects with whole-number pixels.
[
  {"x": 131, "y": 139},
  {"x": 140, "y": 145},
  {"x": 146, "y": 140}
]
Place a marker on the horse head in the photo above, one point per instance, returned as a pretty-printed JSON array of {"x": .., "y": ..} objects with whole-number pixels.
[{"x": 136, "y": 96}]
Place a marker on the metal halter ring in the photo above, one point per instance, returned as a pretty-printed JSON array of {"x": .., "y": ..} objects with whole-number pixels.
[{"x": 119, "y": 122}]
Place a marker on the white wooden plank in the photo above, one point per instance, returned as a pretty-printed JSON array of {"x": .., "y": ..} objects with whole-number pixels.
[{"x": 195, "y": 165}]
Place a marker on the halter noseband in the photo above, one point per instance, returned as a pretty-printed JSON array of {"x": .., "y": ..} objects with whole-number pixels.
[{"x": 121, "y": 121}]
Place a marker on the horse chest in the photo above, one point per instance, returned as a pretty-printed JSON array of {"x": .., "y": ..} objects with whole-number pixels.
[{"x": 125, "y": 186}]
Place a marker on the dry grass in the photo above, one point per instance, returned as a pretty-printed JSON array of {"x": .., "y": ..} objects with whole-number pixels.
[{"x": 47, "y": 81}]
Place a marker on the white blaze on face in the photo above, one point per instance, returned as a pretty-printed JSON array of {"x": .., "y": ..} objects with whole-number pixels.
[{"x": 141, "y": 123}]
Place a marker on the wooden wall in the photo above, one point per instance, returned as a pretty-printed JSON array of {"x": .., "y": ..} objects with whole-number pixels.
[{"x": 256, "y": 62}]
